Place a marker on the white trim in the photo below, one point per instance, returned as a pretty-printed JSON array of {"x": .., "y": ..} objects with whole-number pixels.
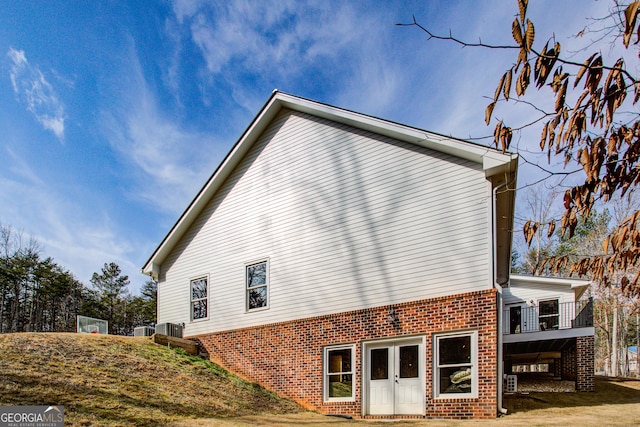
[
  {"x": 267, "y": 285},
  {"x": 573, "y": 283},
  {"x": 364, "y": 368},
  {"x": 206, "y": 299},
  {"x": 325, "y": 373},
  {"x": 474, "y": 365}
]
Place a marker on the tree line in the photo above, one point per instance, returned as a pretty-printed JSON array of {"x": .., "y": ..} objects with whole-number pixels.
[{"x": 39, "y": 295}]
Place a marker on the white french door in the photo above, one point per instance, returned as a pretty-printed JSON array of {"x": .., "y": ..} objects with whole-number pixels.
[{"x": 395, "y": 377}]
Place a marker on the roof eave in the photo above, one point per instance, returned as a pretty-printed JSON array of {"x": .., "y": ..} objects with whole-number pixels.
[{"x": 573, "y": 283}]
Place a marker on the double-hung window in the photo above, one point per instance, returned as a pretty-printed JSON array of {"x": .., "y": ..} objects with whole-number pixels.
[
  {"x": 338, "y": 373},
  {"x": 199, "y": 298},
  {"x": 257, "y": 285},
  {"x": 455, "y": 364}
]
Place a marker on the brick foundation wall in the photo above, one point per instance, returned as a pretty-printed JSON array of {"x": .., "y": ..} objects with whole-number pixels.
[
  {"x": 585, "y": 380},
  {"x": 569, "y": 364},
  {"x": 287, "y": 357}
]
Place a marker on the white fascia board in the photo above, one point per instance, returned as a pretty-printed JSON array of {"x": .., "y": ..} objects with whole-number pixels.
[{"x": 573, "y": 283}]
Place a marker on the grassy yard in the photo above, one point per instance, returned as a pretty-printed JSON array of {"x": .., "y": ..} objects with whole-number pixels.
[
  {"x": 123, "y": 381},
  {"x": 616, "y": 402},
  {"x": 126, "y": 381}
]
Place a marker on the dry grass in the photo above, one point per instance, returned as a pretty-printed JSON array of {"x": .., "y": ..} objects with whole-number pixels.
[
  {"x": 616, "y": 402},
  {"x": 125, "y": 381}
]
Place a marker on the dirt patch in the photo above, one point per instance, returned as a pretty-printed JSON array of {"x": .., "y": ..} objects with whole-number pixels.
[{"x": 541, "y": 382}]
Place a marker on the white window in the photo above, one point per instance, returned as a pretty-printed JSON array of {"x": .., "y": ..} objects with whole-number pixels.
[
  {"x": 199, "y": 298},
  {"x": 549, "y": 314},
  {"x": 257, "y": 285},
  {"x": 456, "y": 365},
  {"x": 339, "y": 363}
]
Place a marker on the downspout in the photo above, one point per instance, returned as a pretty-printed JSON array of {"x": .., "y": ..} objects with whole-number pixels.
[{"x": 498, "y": 286}]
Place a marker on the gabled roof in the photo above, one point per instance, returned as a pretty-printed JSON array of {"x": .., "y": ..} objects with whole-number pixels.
[{"x": 493, "y": 162}]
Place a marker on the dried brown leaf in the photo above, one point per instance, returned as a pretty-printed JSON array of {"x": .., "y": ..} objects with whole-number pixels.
[
  {"x": 499, "y": 88},
  {"x": 594, "y": 75},
  {"x": 523, "y": 80},
  {"x": 529, "y": 232},
  {"x": 561, "y": 96},
  {"x": 496, "y": 133},
  {"x": 567, "y": 199},
  {"x": 488, "y": 112},
  {"x": 522, "y": 5},
  {"x": 573, "y": 222},
  {"x": 506, "y": 135},
  {"x": 539, "y": 62},
  {"x": 552, "y": 228},
  {"x": 516, "y": 31},
  {"x": 630, "y": 15},
  {"x": 583, "y": 69},
  {"x": 507, "y": 85},
  {"x": 543, "y": 137},
  {"x": 529, "y": 35},
  {"x": 522, "y": 59}
]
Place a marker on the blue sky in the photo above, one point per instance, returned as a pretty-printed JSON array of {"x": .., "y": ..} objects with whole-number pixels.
[{"x": 113, "y": 114}]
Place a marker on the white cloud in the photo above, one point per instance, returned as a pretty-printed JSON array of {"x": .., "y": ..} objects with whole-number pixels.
[
  {"x": 169, "y": 163},
  {"x": 33, "y": 90},
  {"x": 284, "y": 35}
]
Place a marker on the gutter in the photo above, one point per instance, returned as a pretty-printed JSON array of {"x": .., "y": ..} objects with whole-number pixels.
[{"x": 498, "y": 286}]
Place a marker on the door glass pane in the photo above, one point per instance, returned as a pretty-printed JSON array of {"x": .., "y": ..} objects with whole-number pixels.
[
  {"x": 455, "y": 350},
  {"x": 409, "y": 361},
  {"x": 380, "y": 364}
]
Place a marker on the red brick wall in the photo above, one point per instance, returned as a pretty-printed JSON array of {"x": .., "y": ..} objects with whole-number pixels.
[
  {"x": 287, "y": 357},
  {"x": 585, "y": 380}
]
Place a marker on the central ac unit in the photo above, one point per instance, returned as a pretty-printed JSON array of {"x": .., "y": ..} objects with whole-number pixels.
[
  {"x": 143, "y": 331},
  {"x": 170, "y": 329}
]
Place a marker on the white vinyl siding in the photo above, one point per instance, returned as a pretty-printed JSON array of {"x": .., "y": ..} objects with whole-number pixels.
[
  {"x": 348, "y": 219},
  {"x": 531, "y": 293}
]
